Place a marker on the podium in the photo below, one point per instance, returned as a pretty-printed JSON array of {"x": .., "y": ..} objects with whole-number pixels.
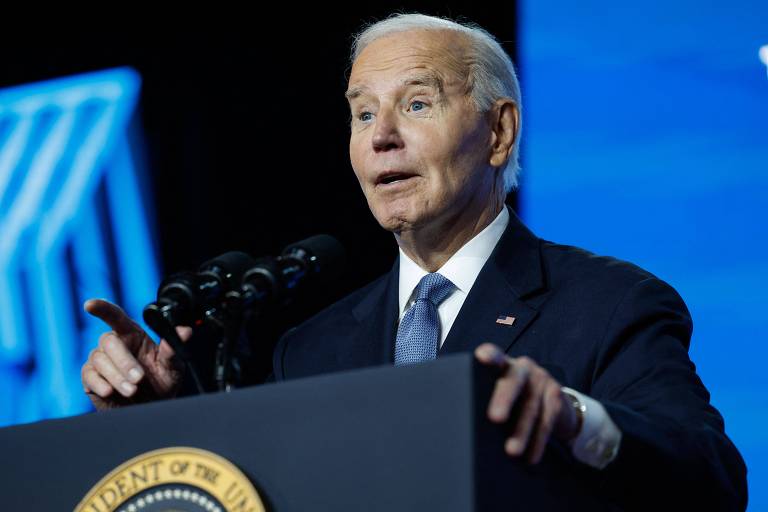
[{"x": 384, "y": 438}]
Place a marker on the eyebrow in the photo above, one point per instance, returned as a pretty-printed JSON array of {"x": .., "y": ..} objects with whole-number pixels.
[
  {"x": 421, "y": 79},
  {"x": 426, "y": 79}
]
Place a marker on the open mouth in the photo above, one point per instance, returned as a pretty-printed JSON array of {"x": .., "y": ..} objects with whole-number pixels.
[{"x": 393, "y": 177}]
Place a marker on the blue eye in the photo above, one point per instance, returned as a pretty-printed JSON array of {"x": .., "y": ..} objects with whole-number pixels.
[
  {"x": 417, "y": 106},
  {"x": 365, "y": 116}
]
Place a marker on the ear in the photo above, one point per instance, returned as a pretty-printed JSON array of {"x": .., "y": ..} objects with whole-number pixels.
[{"x": 505, "y": 127}]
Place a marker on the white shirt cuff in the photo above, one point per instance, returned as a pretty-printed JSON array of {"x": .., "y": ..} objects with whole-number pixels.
[{"x": 599, "y": 439}]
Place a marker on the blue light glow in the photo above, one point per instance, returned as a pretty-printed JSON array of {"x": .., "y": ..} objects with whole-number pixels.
[
  {"x": 65, "y": 152},
  {"x": 645, "y": 139}
]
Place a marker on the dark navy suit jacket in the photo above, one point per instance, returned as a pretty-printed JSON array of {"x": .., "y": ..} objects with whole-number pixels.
[{"x": 599, "y": 325}]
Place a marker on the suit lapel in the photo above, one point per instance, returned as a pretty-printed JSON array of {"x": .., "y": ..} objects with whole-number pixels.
[
  {"x": 377, "y": 316},
  {"x": 507, "y": 286},
  {"x": 504, "y": 288}
]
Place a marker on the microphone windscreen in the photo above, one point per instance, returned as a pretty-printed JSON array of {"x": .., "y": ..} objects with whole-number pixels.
[
  {"x": 323, "y": 254},
  {"x": 229, "y": 266}
]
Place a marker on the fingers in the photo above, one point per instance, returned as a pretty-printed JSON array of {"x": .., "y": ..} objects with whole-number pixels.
[
  {"x": 530, "y": 405},
  {"x": 113, "y": 365},
  {"x": 127, "y": 363},
  {"x": 184, "y": 332},
  {"x": 108, "y": 372},
  {"x": 528, "y": 387},
  {"x": 508, "y": 386},
  {"x": 93, "y": 382},
  {"x": 112, "y": 315},
  {"x": 491, "y": 355},
  {"x": 120, "y": 357},
  {"x": 552, "y": 407},
  {"x": 165, "y": 351}
]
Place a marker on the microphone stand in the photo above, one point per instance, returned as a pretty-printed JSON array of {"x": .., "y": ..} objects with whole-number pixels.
[
  {"x": 161, "y": 321},
  {"x": 226, "y": 326}
]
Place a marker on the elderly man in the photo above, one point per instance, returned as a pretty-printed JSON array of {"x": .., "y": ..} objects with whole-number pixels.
[{"x": 435, "y": 130}]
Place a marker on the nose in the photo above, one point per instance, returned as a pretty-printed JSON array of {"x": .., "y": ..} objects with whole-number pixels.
[{"x": 386, "y": 135}]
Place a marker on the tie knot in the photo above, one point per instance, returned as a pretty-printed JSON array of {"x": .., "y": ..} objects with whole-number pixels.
[{"x": 434, "y": 287}]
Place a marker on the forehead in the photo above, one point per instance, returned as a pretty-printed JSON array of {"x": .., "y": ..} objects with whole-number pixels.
[{"x": 393, "y": 58}]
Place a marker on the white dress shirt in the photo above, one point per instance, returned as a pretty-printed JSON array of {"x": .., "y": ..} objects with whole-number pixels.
[
  {"x": 461, "y": 269},
  {"x": 598, "y": 441}
]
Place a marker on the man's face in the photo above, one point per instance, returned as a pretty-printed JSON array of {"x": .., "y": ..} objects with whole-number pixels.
[{"x": 418, "y": 146}]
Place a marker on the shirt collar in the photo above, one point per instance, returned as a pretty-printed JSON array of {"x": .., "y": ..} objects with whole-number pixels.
[{"x": 462, "y": 268}]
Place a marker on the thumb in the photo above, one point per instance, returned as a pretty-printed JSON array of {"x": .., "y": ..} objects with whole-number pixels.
[{"x": 165, "y": 351}]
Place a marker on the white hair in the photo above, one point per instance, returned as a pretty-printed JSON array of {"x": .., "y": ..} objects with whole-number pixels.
[{"x": 491, "y": 74}]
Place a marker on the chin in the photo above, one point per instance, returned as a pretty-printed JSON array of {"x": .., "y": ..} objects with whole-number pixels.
[
  {"x": 393, "y": 224},
  {"x": 394, "y": 220}
]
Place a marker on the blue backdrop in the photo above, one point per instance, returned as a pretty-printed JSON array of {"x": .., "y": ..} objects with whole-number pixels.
[
  {"x": 73, "y": 225},
  {"x": 645, "y": 137}
]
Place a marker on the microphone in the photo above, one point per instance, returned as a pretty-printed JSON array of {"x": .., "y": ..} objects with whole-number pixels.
[
  {"x": 185, "y": 298},
  {"x": 227, "y": 286},
  {"x": 316, "y": 261}
]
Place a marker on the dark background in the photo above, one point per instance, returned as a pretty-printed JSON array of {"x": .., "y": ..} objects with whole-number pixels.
[{"x": 245, "y": 131}]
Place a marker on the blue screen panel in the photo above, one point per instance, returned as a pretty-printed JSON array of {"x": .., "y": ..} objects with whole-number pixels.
[
  {"x": 72, "y": 226},
  {"x": 646, "y": 138}
]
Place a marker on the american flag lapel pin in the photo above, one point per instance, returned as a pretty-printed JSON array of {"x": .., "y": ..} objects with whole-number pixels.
[{"x": 505, "y": 320}]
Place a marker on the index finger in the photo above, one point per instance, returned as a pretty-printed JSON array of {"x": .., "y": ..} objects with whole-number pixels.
[
  {"x": 491, "y": 355},
  {"x": 112, "y": 315}
]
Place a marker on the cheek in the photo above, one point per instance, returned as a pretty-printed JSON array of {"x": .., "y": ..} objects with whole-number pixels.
[
  {"x": 433, "y": 153},
  {"x": 467, "y": 160},
  {"x": 356, "y": 158}
]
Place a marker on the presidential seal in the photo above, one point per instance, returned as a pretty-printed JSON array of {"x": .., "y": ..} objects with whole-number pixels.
[{"x": 178, "y": 479}]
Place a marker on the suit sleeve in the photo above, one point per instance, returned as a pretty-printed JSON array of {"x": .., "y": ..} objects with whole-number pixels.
[
  {"x": 278, "y": 357},
  {"x": 674, "y": 452}
]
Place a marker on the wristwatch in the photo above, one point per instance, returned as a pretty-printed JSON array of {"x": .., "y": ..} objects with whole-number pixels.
[{"x": 579, "y": 408}]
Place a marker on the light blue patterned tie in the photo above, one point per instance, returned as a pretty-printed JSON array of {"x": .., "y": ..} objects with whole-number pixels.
[{"x": 419, "y": 331}]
